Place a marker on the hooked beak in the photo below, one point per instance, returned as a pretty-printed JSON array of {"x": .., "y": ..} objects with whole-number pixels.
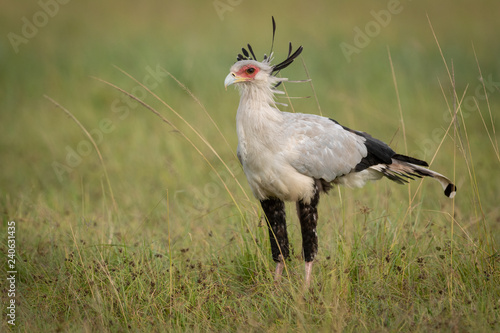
[{"x": 232, "y": 78}]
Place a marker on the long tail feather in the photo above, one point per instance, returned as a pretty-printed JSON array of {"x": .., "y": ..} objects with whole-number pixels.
[
  {"x": 449, "y": 188},
  {"x": 401, "y": 171}
]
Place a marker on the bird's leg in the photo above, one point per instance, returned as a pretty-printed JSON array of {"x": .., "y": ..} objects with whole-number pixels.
[
  {"x": 276, "y": 222},
  {"x": 308, "y": 216},
  {"x": 279, "y": 271},
  {"x": 309, "y": 267}
]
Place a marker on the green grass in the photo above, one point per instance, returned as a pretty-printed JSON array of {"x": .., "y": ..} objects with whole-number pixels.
[{"x": 163, "y": 234}]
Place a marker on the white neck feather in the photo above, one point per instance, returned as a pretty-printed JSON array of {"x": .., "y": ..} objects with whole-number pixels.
[
  {"x": 257, "y": 117},
  {"x": 257, "y": 102},
  {"x": 258, "y": 120}
]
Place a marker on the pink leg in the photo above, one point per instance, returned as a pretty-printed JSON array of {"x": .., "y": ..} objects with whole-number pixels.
[
  {"x": 309, "y": 266},
  {"x": 278, "y": 271}
]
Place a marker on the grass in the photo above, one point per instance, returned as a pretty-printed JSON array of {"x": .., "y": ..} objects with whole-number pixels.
[{"x": 152, "y": 227}]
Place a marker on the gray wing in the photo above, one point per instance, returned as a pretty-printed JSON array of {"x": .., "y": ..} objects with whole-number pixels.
[{"x": 321, "y": 148}]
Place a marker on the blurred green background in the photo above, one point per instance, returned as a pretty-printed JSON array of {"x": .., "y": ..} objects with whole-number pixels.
[
  {"x": 197, "y": 41},
  {"x": 59, "y": 49}
]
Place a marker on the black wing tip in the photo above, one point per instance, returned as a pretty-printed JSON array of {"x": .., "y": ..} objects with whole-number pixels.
[
  {"x": 408, "y": 159},
  {"x": 450, "y": 190}
]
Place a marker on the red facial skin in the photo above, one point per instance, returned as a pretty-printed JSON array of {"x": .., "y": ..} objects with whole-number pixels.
[{"x": 248, "y": 72}]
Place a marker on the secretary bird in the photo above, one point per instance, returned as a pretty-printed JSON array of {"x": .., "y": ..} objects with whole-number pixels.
[{"x": 296, "y": 156}]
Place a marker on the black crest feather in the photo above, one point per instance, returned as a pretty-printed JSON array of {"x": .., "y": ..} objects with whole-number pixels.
[
  {"x": 285, "y": 63},
  {"x": 274, "y": 33},
  {"x": 251, "y": 51},
  {"x": 276, "y": 68}
]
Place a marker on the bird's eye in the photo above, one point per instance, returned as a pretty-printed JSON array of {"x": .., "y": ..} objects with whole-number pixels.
[{"x": 250, "y": 70}]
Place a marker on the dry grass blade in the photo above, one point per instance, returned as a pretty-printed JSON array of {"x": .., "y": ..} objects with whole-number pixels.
[
  {"x": 312, "y": 86},
  {"x": 165, "y": 120},
  {"x": 452, "y": 122},
  {"x": 287, "y": 96},
  {"x": 115, "y": 207},
  {"x": 198, "y": 134},
  {"x": 394, "y": 80},
  {"x": 150, "y": 108},
  {"x": 186, "y": 89},
  {"x": 494, "y": 142}
]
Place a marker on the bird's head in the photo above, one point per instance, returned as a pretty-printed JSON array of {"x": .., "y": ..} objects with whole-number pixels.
[{"x": 248, "y": 70}]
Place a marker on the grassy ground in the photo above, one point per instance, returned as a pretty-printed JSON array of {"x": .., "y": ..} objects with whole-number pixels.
[{"x": 159, "y": 231}]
